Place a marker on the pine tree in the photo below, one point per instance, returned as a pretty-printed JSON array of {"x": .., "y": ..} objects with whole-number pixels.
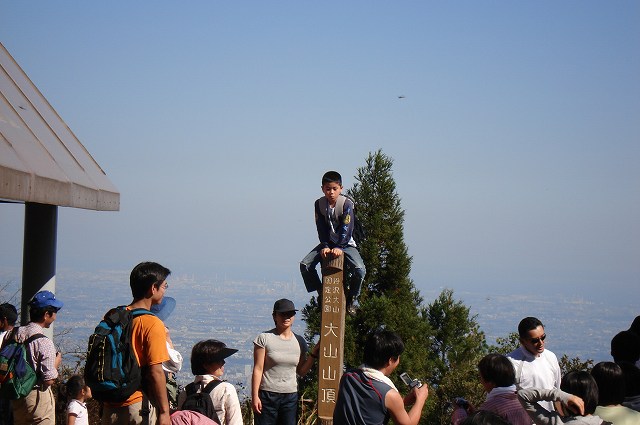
[
  {"x": 456, "y": 347},
  {"x": 388, "y": 298}
]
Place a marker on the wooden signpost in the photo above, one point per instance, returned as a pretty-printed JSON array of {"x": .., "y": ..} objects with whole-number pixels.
[{"x": 331, "y": 337}]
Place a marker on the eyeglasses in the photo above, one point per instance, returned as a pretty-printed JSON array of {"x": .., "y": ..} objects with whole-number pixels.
[{"x": 537, "y": 340}]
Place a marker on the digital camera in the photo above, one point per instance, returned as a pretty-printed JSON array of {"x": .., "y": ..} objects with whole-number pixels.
[
  {"x": 411, "y": 383},
  {"x": 459, "y": 401}
]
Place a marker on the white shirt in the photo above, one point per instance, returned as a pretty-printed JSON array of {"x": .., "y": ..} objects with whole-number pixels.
[
  {"x": 79, "y": 409},
  {"x": 224, "y": 398},
  {"x": 542, "y": 371}
]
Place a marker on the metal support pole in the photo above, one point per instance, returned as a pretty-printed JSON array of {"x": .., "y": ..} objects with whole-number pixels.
[{"x": 39, "y": 257}]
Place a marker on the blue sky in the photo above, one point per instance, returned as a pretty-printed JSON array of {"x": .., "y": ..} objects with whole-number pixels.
[{"x": 516, "y": 148}]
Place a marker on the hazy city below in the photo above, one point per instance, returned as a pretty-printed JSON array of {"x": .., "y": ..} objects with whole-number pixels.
[{"x": 235, "y": 312}]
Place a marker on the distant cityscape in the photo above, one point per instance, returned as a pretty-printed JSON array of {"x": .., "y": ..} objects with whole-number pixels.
[{"x": 235, "y": 312}]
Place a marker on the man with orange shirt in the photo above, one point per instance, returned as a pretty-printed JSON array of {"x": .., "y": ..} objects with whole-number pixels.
[{"x": 149, "y": 405}]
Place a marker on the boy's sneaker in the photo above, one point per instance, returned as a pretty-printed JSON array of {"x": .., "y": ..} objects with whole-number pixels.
[{"x": 352, "y": 309}]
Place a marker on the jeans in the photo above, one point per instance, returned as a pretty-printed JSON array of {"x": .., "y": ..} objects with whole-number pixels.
[
  {"x": 277, "y": 409},
  {"x": 353, "y": 261}
]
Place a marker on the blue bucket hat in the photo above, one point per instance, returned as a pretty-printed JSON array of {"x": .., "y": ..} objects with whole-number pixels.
[{"x": 164, "y": 309}]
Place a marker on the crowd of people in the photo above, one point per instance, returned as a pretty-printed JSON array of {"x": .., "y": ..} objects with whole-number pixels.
[
  {"x": 526, "y": 385},
  {"x": 523, "y": 387}
]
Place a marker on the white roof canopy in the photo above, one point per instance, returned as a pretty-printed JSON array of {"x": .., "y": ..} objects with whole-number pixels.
[{"x": 41, "y": 160}]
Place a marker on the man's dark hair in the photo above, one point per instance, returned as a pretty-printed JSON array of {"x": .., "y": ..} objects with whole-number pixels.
[
  {"x": 145, "y": 275},
  {"x": 610, "y": 380},
  {"x": 380, "y": 347},
  {"x": 36, "y": 314},
  {"x": 582, "y": 384},
  {"x": 9, "y": 312},
  {"x": 332, "y": 177},
  {"x": 625, "y": 347},
  {"x": 528, "y": 324},
  {"x": 204, "y": 353},
  {"x": 497, "y": 369}
]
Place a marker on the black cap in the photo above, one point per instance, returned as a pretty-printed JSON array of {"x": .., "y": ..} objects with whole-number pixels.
[
  {"x": 283, "y": 305},
  {"x": 224, "y": 353}
]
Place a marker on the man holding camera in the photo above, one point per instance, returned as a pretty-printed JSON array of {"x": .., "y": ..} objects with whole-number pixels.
[{"x": 368, "y": 397}]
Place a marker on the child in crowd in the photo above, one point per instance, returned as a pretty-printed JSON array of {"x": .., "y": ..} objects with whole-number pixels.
[
  {"x": 335, "y": 220},
  {"x": 77, "y": 413},
  {"x": 207, "y": 364}
]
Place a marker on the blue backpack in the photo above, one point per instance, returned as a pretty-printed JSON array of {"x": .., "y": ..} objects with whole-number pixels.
[{"x": 112, "y": 370}]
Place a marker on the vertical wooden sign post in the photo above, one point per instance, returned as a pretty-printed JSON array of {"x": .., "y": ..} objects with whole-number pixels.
[{"x": 331, "y": 337}]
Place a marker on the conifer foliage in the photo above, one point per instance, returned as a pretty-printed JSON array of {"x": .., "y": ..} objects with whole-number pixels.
[
  {"x": 443, "y": 342},
  {"x": 388, "y": 297}
]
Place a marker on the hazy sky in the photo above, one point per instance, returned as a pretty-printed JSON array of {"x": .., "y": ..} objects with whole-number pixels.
[{"x": 516, "y": 148}]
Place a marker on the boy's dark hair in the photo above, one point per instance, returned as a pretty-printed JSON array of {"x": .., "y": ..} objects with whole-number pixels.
[
  {"x": 332, "y": 177},
  {"x": 145, "y": 275},
  {"x": 610, "y": 380},
  {"x": 582, "y": 384},
  {"x": 9, "y": 312},
  {"x": 36, "y": 314},
  {"x": 74, "y": 385},
  {"x": 204, "y": 353},
  {"x": 380, "y": 347},
  {"x": 528, "y": 324},
  {"x": 497, "y": 369},
  {"x": 625, "y": 347}
]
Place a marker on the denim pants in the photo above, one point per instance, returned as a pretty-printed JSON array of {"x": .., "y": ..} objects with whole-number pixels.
[
  {"x": 353, "y": 262},
  {"x": 277, "y": 409}
]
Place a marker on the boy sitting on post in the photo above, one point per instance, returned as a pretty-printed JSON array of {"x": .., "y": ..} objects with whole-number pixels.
[{"x": 335, "y": 232}]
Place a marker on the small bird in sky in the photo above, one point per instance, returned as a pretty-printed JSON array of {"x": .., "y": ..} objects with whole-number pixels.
[{"x": 401, "y": 96}]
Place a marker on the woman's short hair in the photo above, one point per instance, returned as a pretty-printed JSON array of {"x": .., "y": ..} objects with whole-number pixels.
[
  {"x": 610, "y": 380},
  {"x": 583, "y": 385},
  {"x": 497, "y": 369}
]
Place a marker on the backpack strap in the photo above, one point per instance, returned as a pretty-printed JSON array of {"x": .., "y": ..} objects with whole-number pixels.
[
  {"x": 34, "y": 337},
  {"x": 28, "y": 349},
  {"x": 12, "y": 337},
  {"x": 190, "y": 389},
  {"x": 210, "y": 386},
  {"x": 339, "y": 208},
  {"x": 340, "y": 205},
  {"x": 141, "y": 312}
]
